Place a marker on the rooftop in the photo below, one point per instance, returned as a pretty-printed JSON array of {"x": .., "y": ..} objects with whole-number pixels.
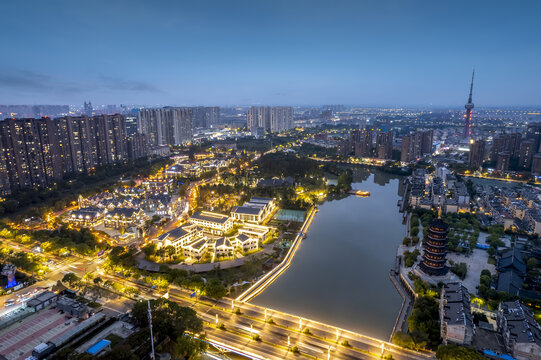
[{"x": 211, "y": 217}]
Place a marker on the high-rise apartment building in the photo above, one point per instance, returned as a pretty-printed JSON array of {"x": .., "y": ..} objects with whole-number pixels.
[
  {"x": 258, "y": 117},
  {"x": 427, "y": 141},
  {"x": 384, "y": 145},
  {"x": 206, "y": 117},
  {"x": 131, "y": 124},
  {"x": 506, "y": 143},
  {"x": 137, "y": 146},
  {"x": 281, "y": 118},
  {"x": 39, "y": 152},
  {"x": 502, "y": 163},
  {"x": 526, "y": 153},
  {"x": 30, "y": 154},
  {"x": 272, "y": 119},
  {"x": 87, "y": 108},
  {"x": 477, "y": 153},
  {"x": 533, "y": 132},
  {"x": 415, "y": 145},
  {"x": 536, "y": 165},
  {"x": 166, "y": 126},
  {"x": 363, "y": 148}
]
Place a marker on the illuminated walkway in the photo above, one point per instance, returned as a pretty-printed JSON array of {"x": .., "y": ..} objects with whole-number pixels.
[{"x": 272, "y": 275}]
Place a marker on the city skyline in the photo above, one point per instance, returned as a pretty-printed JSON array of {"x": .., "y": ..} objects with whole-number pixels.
[{"x": 210, "y": 53}]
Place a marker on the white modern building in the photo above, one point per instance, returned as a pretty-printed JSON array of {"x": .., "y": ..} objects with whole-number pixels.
[
  {"x": 213, "y": 223},
  {"x": 254, "y": 211}
]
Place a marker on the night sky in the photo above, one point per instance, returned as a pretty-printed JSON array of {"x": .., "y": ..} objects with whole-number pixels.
[{"x": 226, "y": 52}]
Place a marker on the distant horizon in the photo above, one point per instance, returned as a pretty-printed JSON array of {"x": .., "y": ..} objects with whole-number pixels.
[{"x": 379, "y": 106}]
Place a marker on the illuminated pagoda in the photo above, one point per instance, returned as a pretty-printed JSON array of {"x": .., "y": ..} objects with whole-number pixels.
[{"x": 435, "y": 249}]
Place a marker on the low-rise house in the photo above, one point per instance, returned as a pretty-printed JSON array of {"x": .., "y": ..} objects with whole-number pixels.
[
  {"x": 223, "y": 247},
  {"x": 533, "y": 219},
  {"x": 275, "y": 182},
  {"x": 245, "y": 243},
  {"x": 41, "y": 301},
  {"x": 455, "y": 314},
  {"x": 511, "y": 271},
  {"x": 158, "y": 203},
  {"x": 213, "y": 223},
  {"x": 521, "y": 333},
  {"x": 121, "y": 218},
  {"x": 197, "y": 249},
  {"x": 85, "y": 217},
  {"x": 256, "y": 231},
  {"x": 72, "y": 307},
  {"x": 179, "y": 237},
  {"x": 158, "y": 185}
]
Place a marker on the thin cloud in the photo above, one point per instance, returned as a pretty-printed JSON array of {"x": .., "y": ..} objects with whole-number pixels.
[
  {"x": 121, "y": 84},
  {"x": 24, "y": 79},
  {"x": 30, "y": 81}
]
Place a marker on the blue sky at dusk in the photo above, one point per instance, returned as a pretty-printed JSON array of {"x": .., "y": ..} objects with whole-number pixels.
[{"x": 229, "y": 52}]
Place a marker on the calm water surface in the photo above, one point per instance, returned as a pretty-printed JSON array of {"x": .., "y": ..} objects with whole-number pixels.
[{"x": 340, "y": 275}]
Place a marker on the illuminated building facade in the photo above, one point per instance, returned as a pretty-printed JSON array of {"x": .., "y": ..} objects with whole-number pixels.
[{"x": 435, "y": 249}]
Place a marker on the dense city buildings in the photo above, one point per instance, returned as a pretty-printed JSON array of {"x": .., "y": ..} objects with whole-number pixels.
[
  {"x": 32, "y": 111},
  {"x": 166, "y": 126},
  {"x": 521, "y": 333}
]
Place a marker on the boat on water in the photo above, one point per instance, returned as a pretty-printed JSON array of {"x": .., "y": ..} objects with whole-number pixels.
[{"x": 362, "y": 193}]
